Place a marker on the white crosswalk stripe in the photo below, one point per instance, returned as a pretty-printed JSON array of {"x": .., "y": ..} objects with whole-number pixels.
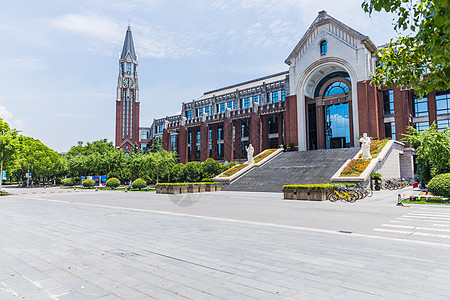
[{"x": 428, "y": 223}]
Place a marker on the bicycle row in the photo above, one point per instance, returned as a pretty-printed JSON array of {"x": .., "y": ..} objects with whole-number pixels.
[
  {"x": 349, "y": 193},
  {"x": 397, "y": 183}
]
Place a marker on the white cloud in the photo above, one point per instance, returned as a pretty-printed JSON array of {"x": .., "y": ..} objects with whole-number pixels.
[
  {"x": 7, "y": 116},
  {"x": 22, "y": 64}
]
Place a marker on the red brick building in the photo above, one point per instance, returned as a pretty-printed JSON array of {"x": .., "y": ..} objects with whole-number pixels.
[{"x": 325, "y": 100}]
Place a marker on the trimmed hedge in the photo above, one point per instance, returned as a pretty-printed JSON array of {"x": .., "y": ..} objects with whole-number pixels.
[
  {"x": 440, "y": 185},
  {"x": 319, "y": 186},
  {"x": 185, "y": 183},
  {"x": 139, "y": 184},
  {"x": 68, "y": 181},
  {"x": 112, "y": 183},
  {"x": 88, "y": 183}
]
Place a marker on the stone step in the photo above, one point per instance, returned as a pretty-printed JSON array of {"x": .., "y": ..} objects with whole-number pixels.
[{"x": 299, "y": 167}]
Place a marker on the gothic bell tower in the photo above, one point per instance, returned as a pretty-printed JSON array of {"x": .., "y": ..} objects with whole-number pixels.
[{"x": 127, "y": 100}]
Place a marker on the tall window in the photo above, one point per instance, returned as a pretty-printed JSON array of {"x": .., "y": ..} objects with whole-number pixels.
[
  {"x": 210, "y": 135},
  {"x": 220, "y": 132},
  {"x": 222, "y": 107},
  {"x": 283, "y": 95},
  {"x": 173, "y": 139},
  {"x": 323, "y": 47},
  {"x": 128, "y": 69},
  {"x": 443, "y": 102},
  {"x": 123, "y": 68},
  {"x": 124, "y": 116},
  {"x": 442, "y": 124},
  {"x": 388, "y": 102},
  {"x": 255, "y": 99},
  {"x": 420, "y": 106},
  {"x": 230, "y": 104},
  {"x": 144, "y": 135},
  {"x": 220, "y": 150},
  {"x": 273, "y": 124},
  {"x": 245, "y": 128},
  {"x": 421, "y": 126},
  {"x": 134, "y": 69},
  {"x": 247, "y": 102},
  {"x": 189, "y": 136},
  {"x": 275, "y": 97},
  {"x": 210, "y": 150},
  {"x": 197, "y": 153},
  {"x": 188, "y": 114},
  {"x": 207, "y": 110},
  {"x": 200, "y": 111},
  {"x": 131, "y": 115},
  {"x": 198, "y": 136},
  {"x": 268, "y": 98},
  {"x": 389, "y": 130},
  {"x": 335, "y": 88}
]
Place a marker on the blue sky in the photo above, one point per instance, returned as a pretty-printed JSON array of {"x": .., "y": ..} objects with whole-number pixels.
[{"x": 59, "y": 58}]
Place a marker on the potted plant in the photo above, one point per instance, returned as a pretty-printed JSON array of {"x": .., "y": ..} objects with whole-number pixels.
[
  {"x": 376, "y": 177},
  {"x": 292, "y": 147}
]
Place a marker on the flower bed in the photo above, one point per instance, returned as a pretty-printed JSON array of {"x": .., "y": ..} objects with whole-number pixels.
[
  {"x": 355, "y": 167},
  {"x": 376, "y": 147},
  {"x": 263, "y": 155},
  {"x": 233, "y": 170},
  {"x": 427, "y": 200},
  {"x": 311, "y": 192}
]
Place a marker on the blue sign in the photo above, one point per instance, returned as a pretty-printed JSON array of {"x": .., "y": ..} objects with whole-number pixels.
[{"x": 3, "y": 175}]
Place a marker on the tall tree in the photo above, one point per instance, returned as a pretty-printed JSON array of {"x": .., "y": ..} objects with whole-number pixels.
[
  {"x": 8, "y": 145},
  {"x": 420, "y": 56}
]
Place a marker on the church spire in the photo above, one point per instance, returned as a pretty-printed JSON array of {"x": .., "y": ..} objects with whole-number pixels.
[{"x": 128, "y": 46}]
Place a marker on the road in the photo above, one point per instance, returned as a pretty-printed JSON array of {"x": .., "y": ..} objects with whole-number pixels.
[{"x": 66, "y": 244}]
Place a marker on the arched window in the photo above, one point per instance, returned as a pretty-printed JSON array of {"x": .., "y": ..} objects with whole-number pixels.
[
  {"x": 323, "y": 47},
  {"x": 335, "y": 88}
]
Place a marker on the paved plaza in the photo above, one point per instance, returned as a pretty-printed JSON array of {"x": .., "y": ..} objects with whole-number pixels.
[{"x": 66, "y": 244}]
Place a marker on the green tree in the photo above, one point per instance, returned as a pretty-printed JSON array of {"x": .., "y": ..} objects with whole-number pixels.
[
  {"x": 211, "y": 168},
  {"x": 160, "y": 162},
  {"x": 193, "y": 172},
  {"x": 177, "y": 173},
  {"x": 433, "y": 151},
  {"x": 8, "y": 146},
  {"x": 156, "y": 145},
  {"x": 425, "y": 44}
]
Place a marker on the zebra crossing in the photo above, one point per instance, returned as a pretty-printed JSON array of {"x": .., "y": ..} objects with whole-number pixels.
[{"x": 430, "y": 224}]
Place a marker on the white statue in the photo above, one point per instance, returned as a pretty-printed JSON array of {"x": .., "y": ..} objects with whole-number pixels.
[
  {"x": 250, "y": 150},
  {"x": 365, "y": 145}
]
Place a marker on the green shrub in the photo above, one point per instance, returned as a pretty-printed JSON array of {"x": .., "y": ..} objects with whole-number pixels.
[
  {"x": 440, "y": 185},
  {"x": 177, "y": 172},
  {"x": 68, "y": 182},
  {"x": 211, "y": 168},
  {"x": 139, "y": 184},
  {"x": 207, "y": 180},
  {"x": 193, "y": 171},
  {"x": 88, "y": 183},
  {"x": 112, "y": 183}
]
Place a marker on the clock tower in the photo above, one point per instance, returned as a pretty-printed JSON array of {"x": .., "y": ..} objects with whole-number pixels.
[{"x": 127, "y": 101}]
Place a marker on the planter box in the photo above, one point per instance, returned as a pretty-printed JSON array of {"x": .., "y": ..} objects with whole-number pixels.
[
  {"x": 213, "y": 187},
  {"x": 191, "y": 188},
  {"x": 178, "y": 189},
  {"x": 305, "y": 194}
]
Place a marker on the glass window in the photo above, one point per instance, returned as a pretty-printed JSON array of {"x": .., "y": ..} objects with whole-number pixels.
[
  {"x": 173, "y": 139},
  {"x": 230, "y": 104},
  {"x": 255, "y": 99},
  {"x": 143, "y": 148},
  {"x": 197, "y": 153},
  {"x": 323, "y": 47},
  {"x": 273, "y": 124},
  {"x": 200, "y": 111},
  {"x": 189, "y": 153},
  {"x": 220, "y": 133},
  {"x": 134, "y": 69},
  {"x": 220, "y": 150},
  {"x": 420, "y": 106},
  {"x": 244, "y": 128},
  {"x": 128, "y": 69},
  {"x": 207, "y": 110},
  {"x": 123, "y": 67},
  {"x": 268, "y": 98},
  {"x": 144, "y": 135},
  {"x": 389, "y": 130},
  {"x": 188, "y": 114},
  {"x": 335, "y": 88},
  {"x": 442, "y": 124},
  {"x": 210, "y": 135},
  {"x": 222, "y": 107},
  {"x": 198, "y": 136},
  {"x": 210, "y": 150},
  {"x": 275, "y": 97},
  {"x": 283, "y": 95},
  {"x": 189, "y": 136},
  {"x": 421, "y": 126},
  {"x": 388, "y": 102},
  {"x": 244, "y": 145},
  {"x": 443, "y": 102},
  {"x": 247, "y": 102},
  {"x": 337, "y": 126}
]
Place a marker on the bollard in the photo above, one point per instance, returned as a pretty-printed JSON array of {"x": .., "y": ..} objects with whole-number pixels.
[{"x": 399, "y": 200}]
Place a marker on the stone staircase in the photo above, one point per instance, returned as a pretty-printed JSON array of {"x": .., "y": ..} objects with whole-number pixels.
[{"x": 301, "y": 167}]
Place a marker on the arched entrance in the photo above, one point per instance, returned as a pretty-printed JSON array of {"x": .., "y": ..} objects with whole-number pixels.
[{"x": 327, "y": 100}]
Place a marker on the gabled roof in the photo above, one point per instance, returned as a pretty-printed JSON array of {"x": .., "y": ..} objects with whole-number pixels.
[
  {"x": 128, "y": 46},
  {"x": 322, "y": 18}
]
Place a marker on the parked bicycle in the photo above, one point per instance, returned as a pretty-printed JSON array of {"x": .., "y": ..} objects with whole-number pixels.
[{"x": 342, "y": 193}]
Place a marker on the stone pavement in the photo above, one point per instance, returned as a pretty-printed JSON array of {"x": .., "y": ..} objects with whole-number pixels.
[{"x": 57, "y": 248}]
